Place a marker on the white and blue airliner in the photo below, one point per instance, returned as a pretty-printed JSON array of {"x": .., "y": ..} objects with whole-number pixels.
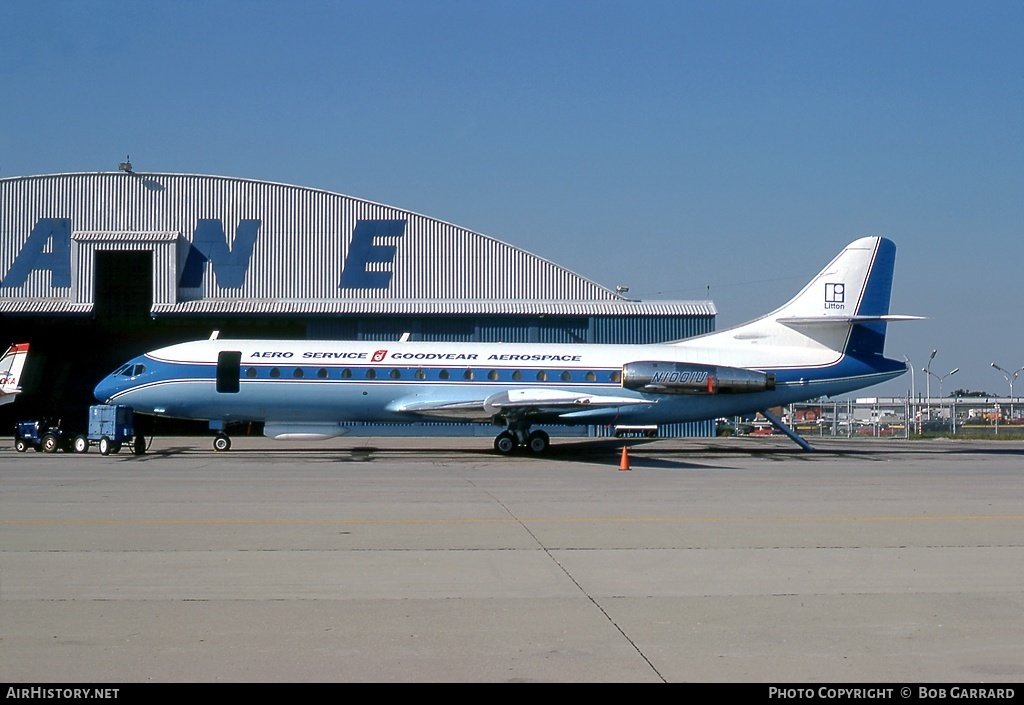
[{"x": 827, "y": 340}]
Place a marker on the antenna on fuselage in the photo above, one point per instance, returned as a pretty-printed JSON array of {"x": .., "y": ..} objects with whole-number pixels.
[{"x": 214, "y": 334}]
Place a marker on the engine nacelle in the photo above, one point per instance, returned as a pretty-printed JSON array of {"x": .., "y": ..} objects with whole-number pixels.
[{"x": 692, "y": 378}]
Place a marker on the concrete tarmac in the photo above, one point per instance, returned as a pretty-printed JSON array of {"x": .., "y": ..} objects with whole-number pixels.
[{"x": 395, "y": 559}]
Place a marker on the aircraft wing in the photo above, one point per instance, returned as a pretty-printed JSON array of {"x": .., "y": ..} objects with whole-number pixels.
[{"x": 515, "y": 402}]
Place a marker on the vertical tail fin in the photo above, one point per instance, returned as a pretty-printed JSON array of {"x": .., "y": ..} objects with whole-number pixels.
[
  {"x": 841, "y": 311},
  {"x": 11, "y": 366},
  {"x": 853, "y": 290}
]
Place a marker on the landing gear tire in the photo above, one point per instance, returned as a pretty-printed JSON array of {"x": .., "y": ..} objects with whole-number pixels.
[
  {"x": 105, "y": 446},
  {"x": 505, "y": 443},
  {"x": 81, "y": 444},
  {"x": 221, "y": 443},
  {"x": 538, "y": 442}
]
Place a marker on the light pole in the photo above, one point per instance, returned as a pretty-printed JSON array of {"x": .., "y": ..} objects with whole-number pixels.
[
  {"x": 928, "y": 382},
  {"x": 952, "y": 421},
  {"x": 1009, "y": 378},
  {"x": 913, "y": 394}
]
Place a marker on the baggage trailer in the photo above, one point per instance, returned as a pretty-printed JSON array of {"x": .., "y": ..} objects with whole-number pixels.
[{"x": 110, "y": 428}]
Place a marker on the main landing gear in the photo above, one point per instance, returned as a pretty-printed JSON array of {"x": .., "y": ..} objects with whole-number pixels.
[{"x": 509, "y": 440}]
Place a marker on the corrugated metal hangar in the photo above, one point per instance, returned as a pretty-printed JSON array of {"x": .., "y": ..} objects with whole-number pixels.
[{"x": 98, "y": 267}]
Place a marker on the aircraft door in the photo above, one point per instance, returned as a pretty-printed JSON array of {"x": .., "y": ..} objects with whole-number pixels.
[{"x": 229, "y": 365}]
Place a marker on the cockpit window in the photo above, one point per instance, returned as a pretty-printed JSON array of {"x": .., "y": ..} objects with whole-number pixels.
[{"x": 129, "y": 370}]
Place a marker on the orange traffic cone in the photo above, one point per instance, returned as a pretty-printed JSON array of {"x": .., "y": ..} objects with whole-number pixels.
[{"x": 624, "y": 463}]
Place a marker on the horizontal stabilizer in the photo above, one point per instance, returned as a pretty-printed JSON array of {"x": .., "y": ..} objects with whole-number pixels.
[{"x": 819, "y": 320}]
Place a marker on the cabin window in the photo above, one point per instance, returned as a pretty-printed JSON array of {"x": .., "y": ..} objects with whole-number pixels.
[
  {"x": 346, "y": 373},
  {"x": 517, "y": 376},
  {"x": 229, "y": 367},
  {"x": 322, "y": 373},
  {"x": 615, "y": 376},
  {"x": 493, "y": 375},
  {"x": 591, "y": 377},
  {"x": 566, "y": 377},
  {"x": 275, "y": 373},
  {"x": 420, "y": 374},
  {"x": 251, "y": 373},
  {"x": 443, "y": 374},
  {"x": 371, "y": 374},
  {"x": 468, "y": 374},
  {"x": 542, "y": 376},
  {"x": 395, "y": 374},
  {"x": 298, "y": 373}
]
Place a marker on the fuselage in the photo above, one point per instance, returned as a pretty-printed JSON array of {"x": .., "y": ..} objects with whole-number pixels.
[{"x": 345, "y": 381}]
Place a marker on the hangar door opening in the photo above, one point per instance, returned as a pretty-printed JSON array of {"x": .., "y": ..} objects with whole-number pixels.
[{"x": 123, "y": 286}]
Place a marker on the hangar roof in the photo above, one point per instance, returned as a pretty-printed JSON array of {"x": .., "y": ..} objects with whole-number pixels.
[{"x": 231, "y": 245}]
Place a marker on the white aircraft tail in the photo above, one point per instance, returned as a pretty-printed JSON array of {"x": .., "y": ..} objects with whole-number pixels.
[
  {"x": 843, "y": 309},
  {"x": 11, "y": 366}
]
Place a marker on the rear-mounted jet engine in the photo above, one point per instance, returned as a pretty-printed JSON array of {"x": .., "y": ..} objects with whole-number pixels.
[{"x": 689, "y": 378}]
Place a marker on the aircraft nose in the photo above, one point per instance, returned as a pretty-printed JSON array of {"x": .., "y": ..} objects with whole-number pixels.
[{"x": 104, "y": 390}]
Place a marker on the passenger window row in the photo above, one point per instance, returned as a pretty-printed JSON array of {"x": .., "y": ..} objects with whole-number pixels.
[{"x": 469, "y": 374}]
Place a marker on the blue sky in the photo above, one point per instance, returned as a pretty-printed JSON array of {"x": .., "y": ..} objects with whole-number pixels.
[{"x": 674, "y": 147}]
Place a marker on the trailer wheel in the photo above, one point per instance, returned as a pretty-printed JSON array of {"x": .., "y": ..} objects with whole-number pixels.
[
  {"x": 104, "y": 446},
  {"x": 81, "y": 444},
  {"x": 139, "y": 445},
  {"x": 50, "y": 443}
]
